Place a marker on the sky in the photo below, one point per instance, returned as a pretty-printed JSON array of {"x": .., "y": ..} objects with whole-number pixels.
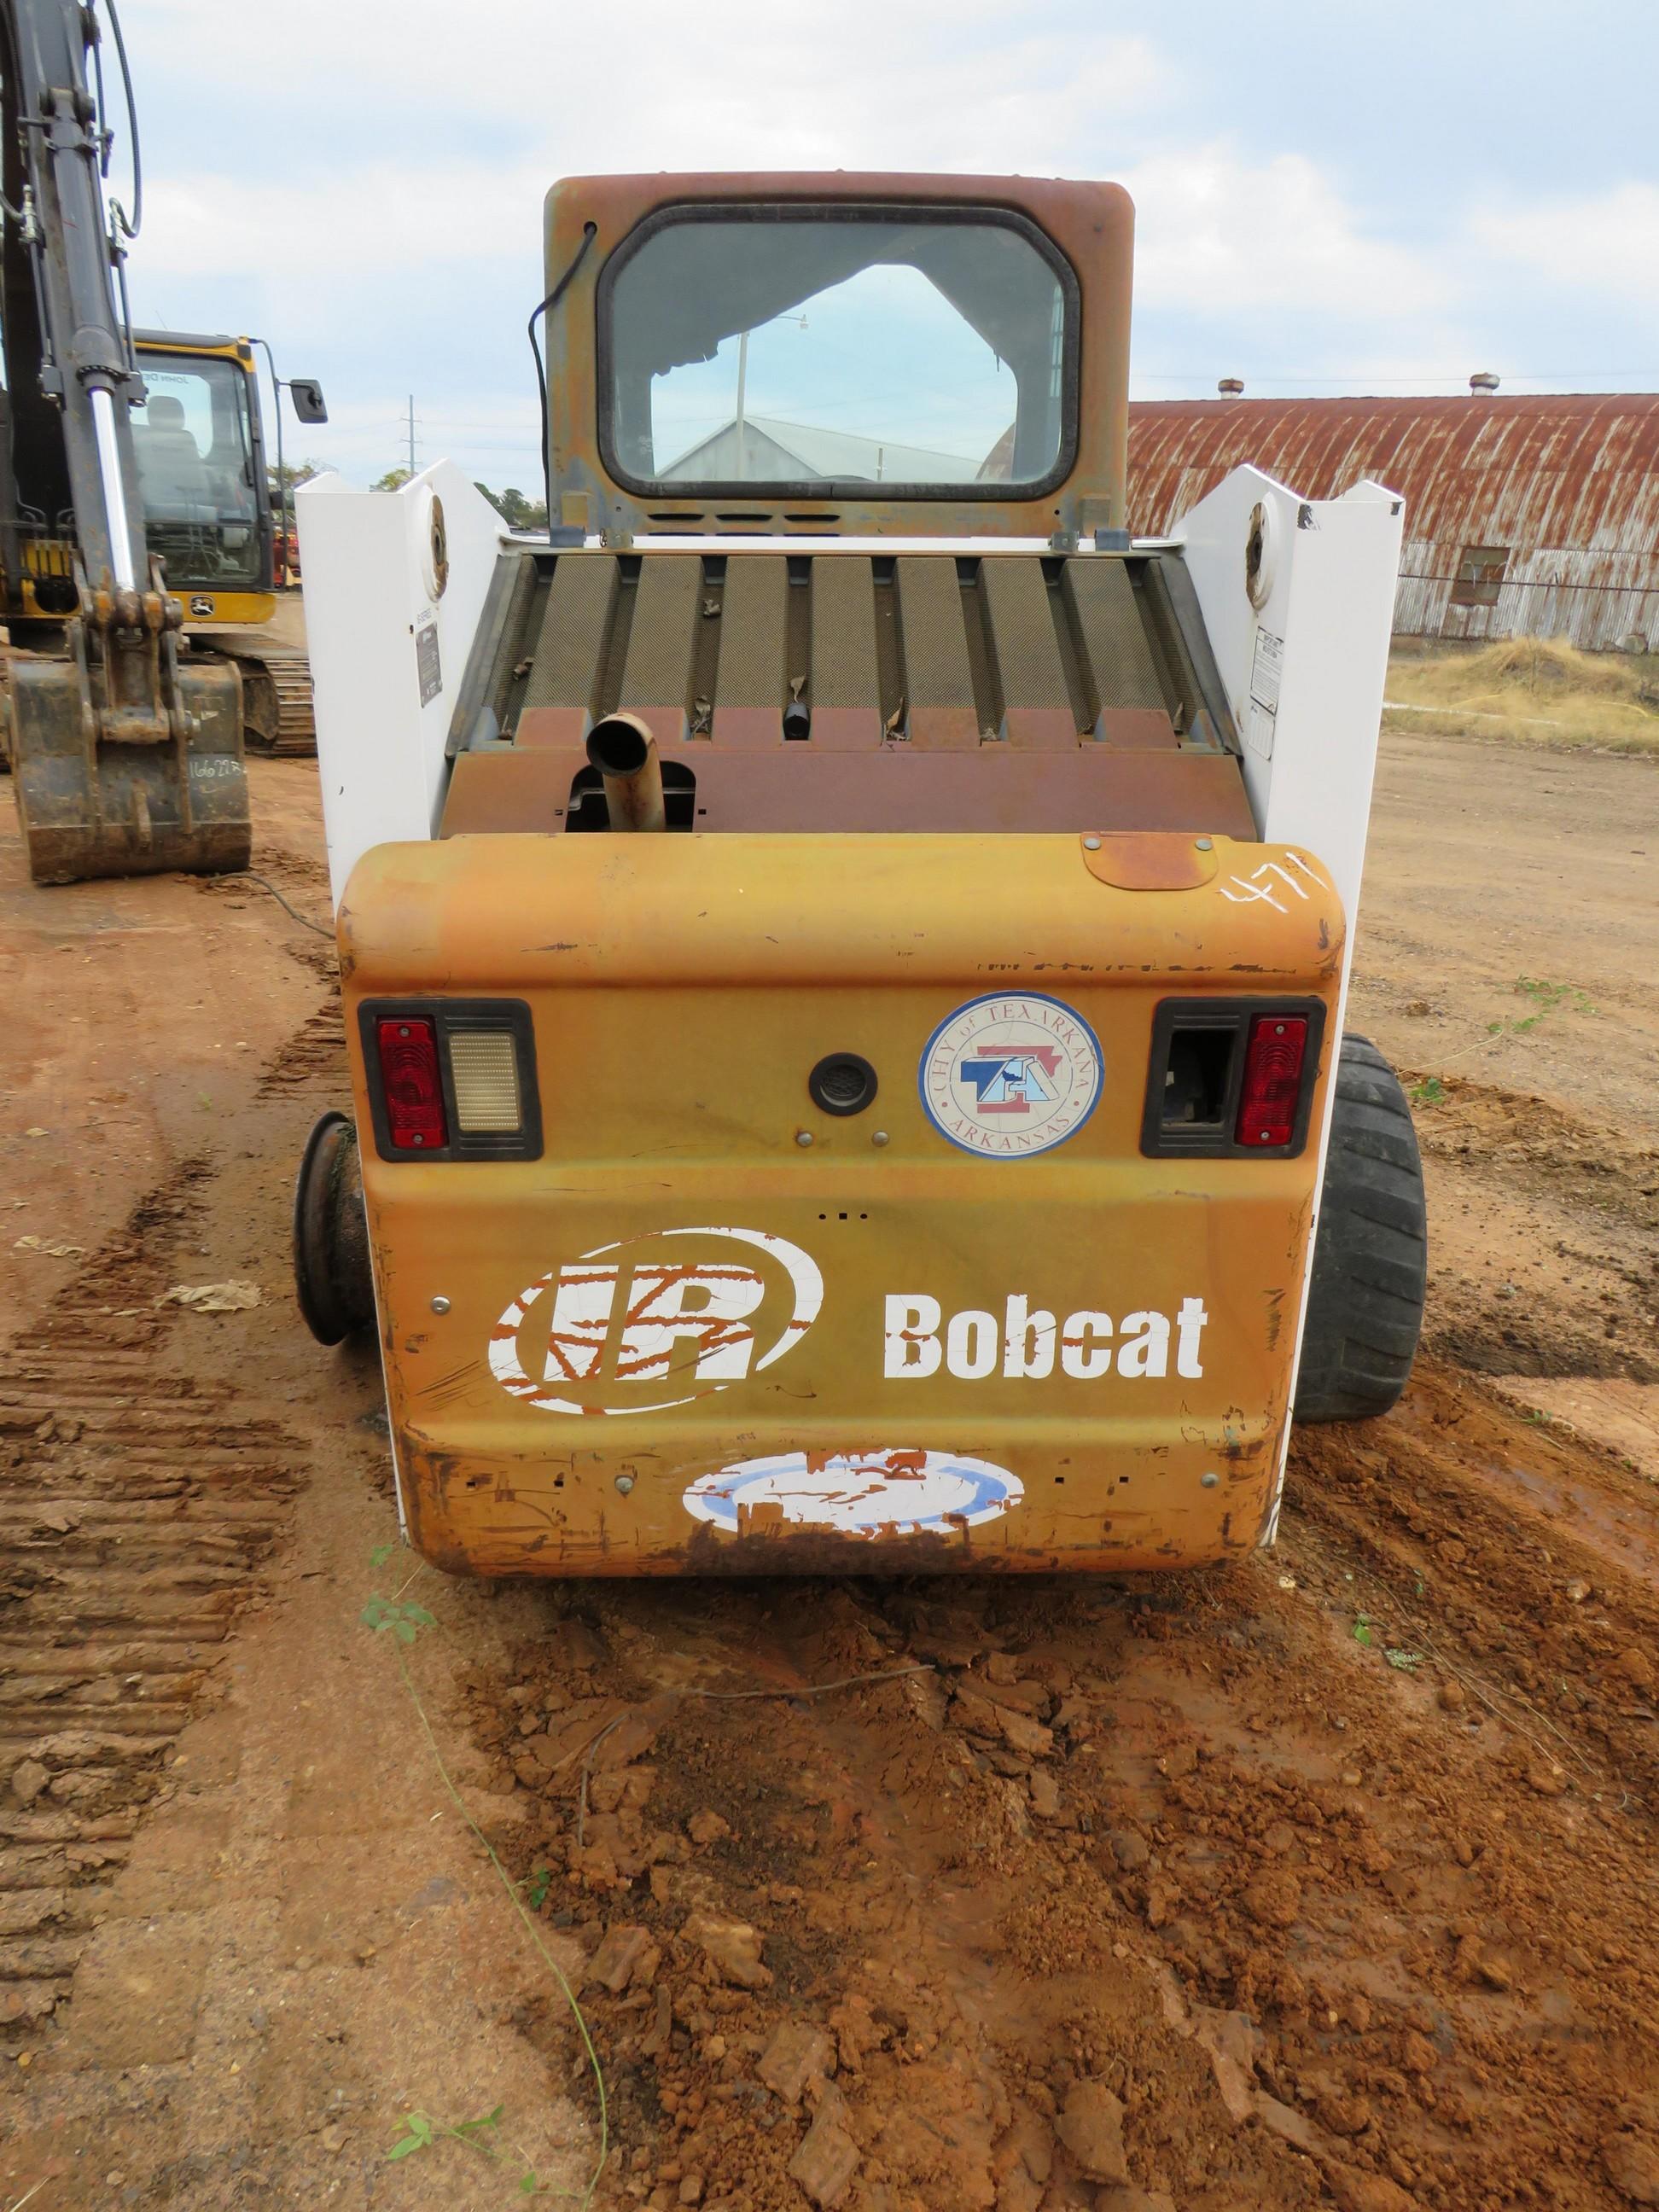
[{"x": 1332, "y": 196}]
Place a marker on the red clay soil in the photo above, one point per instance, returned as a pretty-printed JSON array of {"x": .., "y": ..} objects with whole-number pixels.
[
  {"x": 1324, "y": 1878},
  {"x": 1330, "y": 1880}
]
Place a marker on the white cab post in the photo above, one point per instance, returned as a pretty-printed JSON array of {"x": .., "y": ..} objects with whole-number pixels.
[
  {"x": 1298, "y": 598},
  {"x": 389, "y": 634}
]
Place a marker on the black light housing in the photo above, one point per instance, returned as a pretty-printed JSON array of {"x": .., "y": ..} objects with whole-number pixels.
[
  {"x": 486, "y": 1065},
  {"x": 1217, "y": 1084}
]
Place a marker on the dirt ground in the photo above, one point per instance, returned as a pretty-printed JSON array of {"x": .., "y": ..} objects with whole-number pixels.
[{"x": 1328, "y": 1879}]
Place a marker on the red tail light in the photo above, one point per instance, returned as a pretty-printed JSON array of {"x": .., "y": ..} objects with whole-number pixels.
[
  {"x": 412, "y": 1086},
  {"x": 1271, "y": 1089}
]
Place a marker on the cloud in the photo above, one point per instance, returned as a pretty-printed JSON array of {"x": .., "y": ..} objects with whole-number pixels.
[
  {"x": 1607, "y": 242},
  {"x": 1219, "y": 233},
  {"x": 887, "y": 84},
  {"x": 382, "y": 220},
  {"x": 386, "y": 234},
  {"x": 374, "y": 205}
]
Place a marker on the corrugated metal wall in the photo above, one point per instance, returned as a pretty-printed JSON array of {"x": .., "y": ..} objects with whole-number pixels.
[{"x": 1565, "y": 485}]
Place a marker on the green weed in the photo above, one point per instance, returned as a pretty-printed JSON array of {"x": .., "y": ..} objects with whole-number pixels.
[
  {"x": 1431, "y": 1091},
  {"x": 422, "y": 2131},
  {"x": 1545, "y": 998},
  {"x": 1362, "y": 1629},
  {"x": 404, "y": 1623}
]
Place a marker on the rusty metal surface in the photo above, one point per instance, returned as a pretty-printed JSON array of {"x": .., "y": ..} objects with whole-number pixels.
[
  {"x": 1034, "y": 652},
  {"x": 1567, "y": 482},
  {"x": 1092, "y": 224},
  {"x": 1143, "y": 861},
  {"x": 681, "y": 1312},
  {"x": 886, "y": 787}
]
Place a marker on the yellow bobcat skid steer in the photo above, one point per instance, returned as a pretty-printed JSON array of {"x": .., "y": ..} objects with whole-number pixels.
[{"x": 844, "y": 951}]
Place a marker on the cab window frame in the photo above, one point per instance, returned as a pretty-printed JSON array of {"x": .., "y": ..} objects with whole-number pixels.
[
  {"x": 843, "y": 489},
  {"x": 224, "y": 380}
]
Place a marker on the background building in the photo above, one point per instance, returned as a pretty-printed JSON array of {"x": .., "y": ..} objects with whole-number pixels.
[
  {"x": 761, "y": 449},
  {"x": 1531, "y": 516}
]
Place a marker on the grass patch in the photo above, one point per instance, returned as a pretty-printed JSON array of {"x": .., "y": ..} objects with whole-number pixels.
[{"x": 1530, "y": 691}]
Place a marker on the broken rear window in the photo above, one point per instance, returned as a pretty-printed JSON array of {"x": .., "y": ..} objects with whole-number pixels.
[{"x": 821, "y": 350}]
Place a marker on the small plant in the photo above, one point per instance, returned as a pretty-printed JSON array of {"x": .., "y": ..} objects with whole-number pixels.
[
  {"x": 422, "y": 2131},
  {"x": 1362, "y": 1629},
  {"x": 1406, "y": 1662},
  {"x": 1548, "y": 996},
  {"x": 1545, "y": 998},
  {"x": 380, "y": 1554},
  {"x": 1431, "y": 1091},
  {"x": 405, "y": 1621}
]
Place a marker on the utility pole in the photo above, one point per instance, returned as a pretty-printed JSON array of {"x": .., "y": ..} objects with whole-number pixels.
[{"x": 411, "y": 434}]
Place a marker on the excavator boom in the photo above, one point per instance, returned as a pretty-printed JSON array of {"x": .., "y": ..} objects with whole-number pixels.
[{"x": 126, "y": 761}]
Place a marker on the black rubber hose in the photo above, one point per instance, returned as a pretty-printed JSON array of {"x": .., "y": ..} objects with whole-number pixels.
[{"x": 590, "y": 231}]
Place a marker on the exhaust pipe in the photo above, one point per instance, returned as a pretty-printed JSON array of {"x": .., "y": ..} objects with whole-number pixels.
[{"x": 622, "y": 749}]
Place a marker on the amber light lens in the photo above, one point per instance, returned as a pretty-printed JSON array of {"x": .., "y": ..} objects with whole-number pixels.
[
  {"x": 412, "y": 1086},
  {"x": 1271, "y": 1089}
]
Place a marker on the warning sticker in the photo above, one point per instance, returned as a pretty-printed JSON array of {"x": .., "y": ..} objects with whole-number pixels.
[
  {"x": 426, "y": 665},
  {"x": 1266, "y": 671}
]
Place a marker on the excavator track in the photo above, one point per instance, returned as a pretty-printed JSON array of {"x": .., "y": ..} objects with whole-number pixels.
[{"x": 277, "y": 718}]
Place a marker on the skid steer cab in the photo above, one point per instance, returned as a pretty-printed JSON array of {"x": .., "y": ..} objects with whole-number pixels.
[{"x": 843, "y": 949}]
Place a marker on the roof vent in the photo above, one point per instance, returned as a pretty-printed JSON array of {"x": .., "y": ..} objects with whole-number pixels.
[
  {"x": 1232, "y": 387},
  {"x": 1483, "y": 380}
]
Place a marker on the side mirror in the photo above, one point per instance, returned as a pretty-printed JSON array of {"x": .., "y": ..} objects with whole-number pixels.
[{"x": 307, "y": 396}]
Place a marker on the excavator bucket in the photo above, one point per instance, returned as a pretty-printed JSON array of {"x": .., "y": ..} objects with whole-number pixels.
[{"x": 95, "y": 805}]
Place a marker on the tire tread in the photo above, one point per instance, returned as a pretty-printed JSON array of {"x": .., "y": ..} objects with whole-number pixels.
[{"x": 1371, "y": 1254}]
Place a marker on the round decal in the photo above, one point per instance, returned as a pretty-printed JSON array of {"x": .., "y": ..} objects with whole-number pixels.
[
  {"x": 876, "y": 1493},
  {"x": 655, "y": 1321},
  {"x": 1011, "y": 1074}
]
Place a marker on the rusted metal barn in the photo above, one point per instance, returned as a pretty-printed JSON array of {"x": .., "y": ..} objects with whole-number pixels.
[{"x": 1531, "y": 516}]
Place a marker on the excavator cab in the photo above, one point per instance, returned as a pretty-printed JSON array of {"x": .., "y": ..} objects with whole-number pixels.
[
  {"x": 844, "y": 949},
  {"x": 202, "y": 475},
  {"x": 209, "y": 519}
]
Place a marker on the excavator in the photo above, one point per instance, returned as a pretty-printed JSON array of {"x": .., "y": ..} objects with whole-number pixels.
[
  {"x": 209, "y": 517},
  {"x": 132, "y": 485}
]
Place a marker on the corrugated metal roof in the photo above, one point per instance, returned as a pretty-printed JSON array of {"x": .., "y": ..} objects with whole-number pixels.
[
  {"x": 1567, "y": 484},
  {"x": 814, "y": 452}
]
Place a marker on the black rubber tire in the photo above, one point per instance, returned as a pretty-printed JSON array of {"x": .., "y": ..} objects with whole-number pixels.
[
  {"x": 1370, "y": 1254},
  {"x": 333, "y": 1281}
]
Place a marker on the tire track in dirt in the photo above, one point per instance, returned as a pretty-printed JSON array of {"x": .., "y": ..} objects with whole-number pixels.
[
  {"x": 136, "y": 1507},
  {"x": 1561, "y": 1213},
  {"x": 313, "y": 1056},
  {"x": 1170, "y": 1892}
]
